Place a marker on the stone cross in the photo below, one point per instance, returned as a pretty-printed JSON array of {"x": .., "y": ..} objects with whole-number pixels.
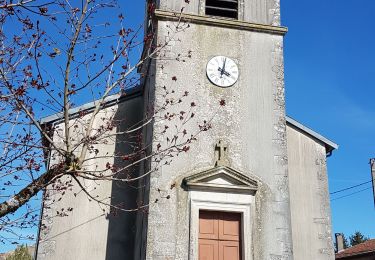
[{"x": 221, "y": 150}]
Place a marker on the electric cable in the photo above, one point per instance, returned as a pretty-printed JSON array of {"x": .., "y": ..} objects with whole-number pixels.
[
  {"x": 347, "y": 195},
  {"x": 351, "y": 187}
]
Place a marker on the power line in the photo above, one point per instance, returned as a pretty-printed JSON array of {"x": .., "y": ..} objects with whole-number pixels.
[
  {"x": 351, "y": 187},
  {"x": 351, "y": 194}
]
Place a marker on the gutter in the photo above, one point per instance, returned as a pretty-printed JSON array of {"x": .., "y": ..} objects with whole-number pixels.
[{"x": 329, "y": 145}]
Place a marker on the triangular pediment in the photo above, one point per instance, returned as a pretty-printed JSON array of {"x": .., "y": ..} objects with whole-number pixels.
[{"x": 221, "y": 178}]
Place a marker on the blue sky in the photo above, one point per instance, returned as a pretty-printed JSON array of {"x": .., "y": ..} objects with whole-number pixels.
[{"x": 329, "y": 77}]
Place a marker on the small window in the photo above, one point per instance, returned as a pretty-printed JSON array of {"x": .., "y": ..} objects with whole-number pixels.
[{"x": 223, "y": 8}]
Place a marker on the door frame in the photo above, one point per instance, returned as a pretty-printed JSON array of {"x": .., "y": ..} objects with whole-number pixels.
[{"x": 227, "y": 202}]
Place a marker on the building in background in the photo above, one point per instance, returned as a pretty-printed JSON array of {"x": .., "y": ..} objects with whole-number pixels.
[{"x": 363, "y": 251}]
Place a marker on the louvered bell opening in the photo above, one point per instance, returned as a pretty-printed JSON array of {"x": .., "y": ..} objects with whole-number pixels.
[{"x": 222, "y": 8}]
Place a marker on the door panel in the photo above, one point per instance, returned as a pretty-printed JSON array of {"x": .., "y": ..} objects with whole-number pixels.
[
  {"x": 208, "y": 225},
  {"x": 208, "y": 249},
  {"x": 229, "y": 250},
  {"x": 219, "y": 235},
  {"x": 230, "y": 226}
]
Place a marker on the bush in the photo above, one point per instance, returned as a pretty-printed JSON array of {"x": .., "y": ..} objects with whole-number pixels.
[{"x": 21, "y": 253}]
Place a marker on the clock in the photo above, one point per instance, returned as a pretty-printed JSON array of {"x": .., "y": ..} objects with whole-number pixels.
[{"x": 222, "y": 71}]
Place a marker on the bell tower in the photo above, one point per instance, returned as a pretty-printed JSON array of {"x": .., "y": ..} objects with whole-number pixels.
[
  {"x": 265, "y": 12},
  {"x": 233, "y": 71}
]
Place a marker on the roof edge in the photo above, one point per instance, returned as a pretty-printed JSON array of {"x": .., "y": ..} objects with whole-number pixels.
[
  {"x": 330, "y": 145},
  {"x": 369, "y": 248},
  {"x": 342, "y": 254},
  {"x": 135, "y": 92},
  {"x": 108, "y": 101}
]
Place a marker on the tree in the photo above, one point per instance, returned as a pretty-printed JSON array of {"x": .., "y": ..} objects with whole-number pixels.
[
  {"x": 357, "y": 238},
  {"x": 345, "y": 240},
  {"x": 59, "y": 54},
  {"x": 21, "y": 253}
]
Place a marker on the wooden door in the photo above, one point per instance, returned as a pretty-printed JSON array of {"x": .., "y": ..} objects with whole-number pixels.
[{"x": 219, "y": 235}]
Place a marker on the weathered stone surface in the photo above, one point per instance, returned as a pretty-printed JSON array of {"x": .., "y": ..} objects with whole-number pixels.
[
  {"x": 87, "y": 232},
  {"x": 309, "y": 197},
  {"x": 252, "y": 123},
  {"x": 254, "y": 11}
]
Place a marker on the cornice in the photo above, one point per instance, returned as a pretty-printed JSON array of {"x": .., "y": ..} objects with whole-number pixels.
[
  {"x": 240, "y": 181},
  {"x": 220, "y": 22}
]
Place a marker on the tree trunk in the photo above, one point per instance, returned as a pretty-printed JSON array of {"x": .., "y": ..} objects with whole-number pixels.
[{"x": 24, "y": 195}]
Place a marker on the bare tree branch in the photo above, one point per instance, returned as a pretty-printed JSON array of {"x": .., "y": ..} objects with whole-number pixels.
[{"x": 28, "y": 192}]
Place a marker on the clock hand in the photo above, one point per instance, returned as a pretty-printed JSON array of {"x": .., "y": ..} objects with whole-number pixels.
[{"x": 223, "y": 70}]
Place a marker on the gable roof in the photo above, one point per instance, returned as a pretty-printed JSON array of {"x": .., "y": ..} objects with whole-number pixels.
[
  {"x": 367, "y": 248},
  {"x": 329, "y": 145},
  {"x": 137, "y": 91}
]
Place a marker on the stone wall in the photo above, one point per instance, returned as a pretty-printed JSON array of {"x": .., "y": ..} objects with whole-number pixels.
[
  {"x": 254, "y": 11},
  {"x": 252, "y": 123},
  {"x": 309, "y": 197},
  {"x": 88, "y": 232}
]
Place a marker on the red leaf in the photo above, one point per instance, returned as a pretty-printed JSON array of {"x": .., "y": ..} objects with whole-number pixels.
[{"x": 122, "y": 32}]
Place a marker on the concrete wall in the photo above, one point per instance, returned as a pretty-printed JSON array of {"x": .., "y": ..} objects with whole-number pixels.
[
  {"x": 88, "y": 232},
  {"x": 252, "y": 123},
  {"x": 254, "y": 11},
  {"x": 309, "y": 197}
]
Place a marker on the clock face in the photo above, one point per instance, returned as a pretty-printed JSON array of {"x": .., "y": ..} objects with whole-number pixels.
[{"x": 222, "y": 71}]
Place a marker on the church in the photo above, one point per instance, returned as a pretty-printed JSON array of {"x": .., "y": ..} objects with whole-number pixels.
[{"x": 252, "y": 187}]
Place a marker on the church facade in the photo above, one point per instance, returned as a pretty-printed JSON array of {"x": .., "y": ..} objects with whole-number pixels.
[{"x": 253, "y": 187}]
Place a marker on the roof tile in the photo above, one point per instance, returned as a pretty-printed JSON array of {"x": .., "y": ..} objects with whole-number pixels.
[{"x": 365, "y": 247}]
